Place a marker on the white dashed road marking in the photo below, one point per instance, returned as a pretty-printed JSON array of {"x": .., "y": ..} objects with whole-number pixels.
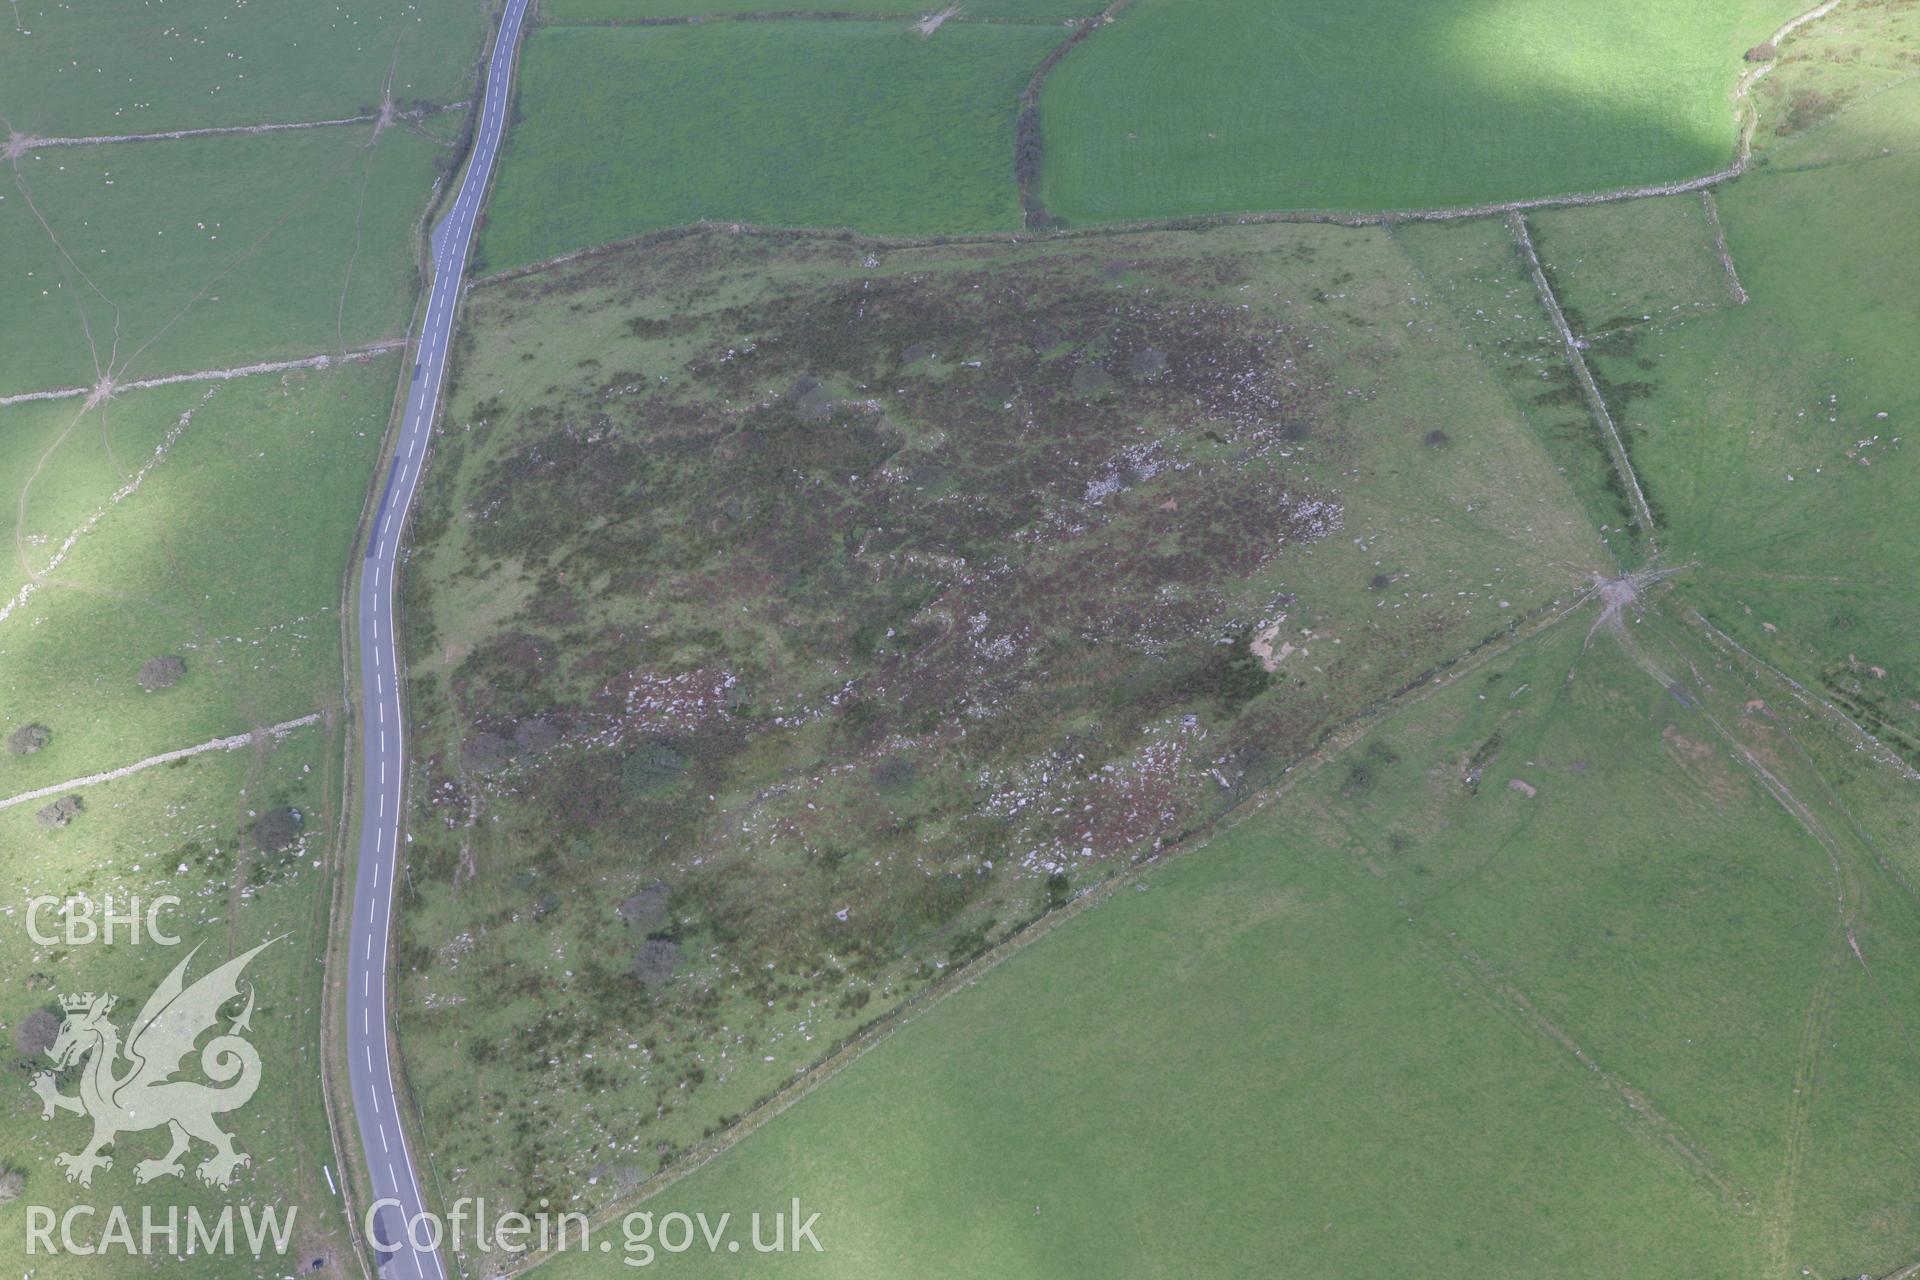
[{"x": 373, "y": 1086}]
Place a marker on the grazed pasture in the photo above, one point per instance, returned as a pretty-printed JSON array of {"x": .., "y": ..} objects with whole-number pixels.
[
  {"x": 84, "y": 70},
  {"x": 189, "y": 831},
  {"x": 1184, "y": 107},
  {"x": 149, "y": 258},
  {"x": 847, "y": 124}
]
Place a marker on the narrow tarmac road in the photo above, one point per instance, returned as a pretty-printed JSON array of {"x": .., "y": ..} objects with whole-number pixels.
[{"x": 394, "y": 1178}]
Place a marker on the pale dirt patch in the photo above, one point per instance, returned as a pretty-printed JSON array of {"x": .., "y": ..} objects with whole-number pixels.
[
  {"x": 385, "y": 120},
  {"x": 1263, "y": 646},
  {"x": 1691, "y": 748},
  {"x": 1617, "y": 595},
  {"x": 932, "y": 22}
]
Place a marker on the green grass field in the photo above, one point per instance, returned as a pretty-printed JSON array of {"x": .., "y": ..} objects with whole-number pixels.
[
  {"x": 213, "y": 524},
  {"x": 1631, "y": 263},
  {"x": 1225, "y": 106},
  {"x": 143, "y": 529},
  {"x": 801, "y": 124},
  {"x": 82, "y": 461},
  {"x": 1775, "y": 436},
  {"x": 176, "y": 566},
  {"x": 88, "y": 70},
  {"x": 1861, "y": 58},
  {"x": 182, "y": 830},
  {"x": 155, "y": 258},
  {"x": 1472, "y": 270}
]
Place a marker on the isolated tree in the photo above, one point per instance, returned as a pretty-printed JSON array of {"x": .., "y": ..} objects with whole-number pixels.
[
  {"x": 157, "y": 673},
  {"x": 1763, "y": 52},
  {"x": 647, "y": 909},
  {"x": 894, "y": 775},
  {"x": 1234, "y": 674},
  {"x": 656, "y": 963},
  {"x": 1148, "y": 362},
  {"x": 652, "y": 769},
  {"x": 28, "y": 738},
  {"x": 37, "y": 1032},
  {"x": 536, "y": 733},
  {"x": 60, "y": 812},
  {"x": 487, "y": 752},
  {"x": 277, "y": 829}
]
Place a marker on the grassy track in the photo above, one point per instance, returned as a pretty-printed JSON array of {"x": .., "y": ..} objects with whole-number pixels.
[
  {"x": 822, "y": 124},
  {"x": 1221, "y": 106},
  {"x": 83, "y": 70},
  {"x": 200, "y": 268}
]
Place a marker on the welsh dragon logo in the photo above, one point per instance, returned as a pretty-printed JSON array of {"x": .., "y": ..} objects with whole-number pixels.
[{"x": 128, "y": 1088}]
